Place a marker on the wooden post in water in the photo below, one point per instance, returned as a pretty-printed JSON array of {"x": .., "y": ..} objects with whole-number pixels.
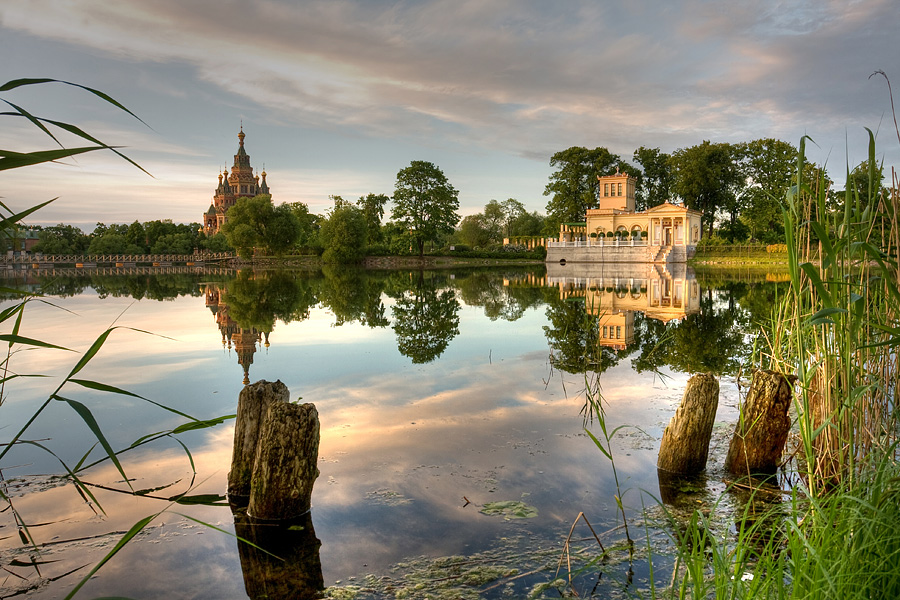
[
  {"x": 685, "y": 443},
  {"x": 253, "y": 405},
  {"x": 762, "y": 430},
  {"x": 285, "y": 469}
]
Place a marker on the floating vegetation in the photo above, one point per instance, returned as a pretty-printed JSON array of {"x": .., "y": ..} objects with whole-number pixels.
[
  {"x": 510, "y": 509},
  {"x": 387, "y": 497}
]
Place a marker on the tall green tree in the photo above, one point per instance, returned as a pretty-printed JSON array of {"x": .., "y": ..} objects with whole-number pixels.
[
  {"x": 372, "y": 206},
  {"x": 528, "y": 223},
  {"x": 425, "y": 203},
  {"x": 573, "y": 187},
  {"x": 343, "y": 233},
  {"x": 707, "y": 179},
  {"x": 768, "y": 166},
  {"x": 136, "y": 235},
  {"x": 656, "y": 178},
  {"x": 473, "y": 231},
  {"x": 494, "y": 218},
  {"x": 310, "y": 223},
  {"x": 512, "y": 210},
  {"x": 255, "y": 223}
]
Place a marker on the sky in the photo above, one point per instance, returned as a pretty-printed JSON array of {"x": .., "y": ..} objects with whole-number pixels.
[{"x": 336, "y": 96}]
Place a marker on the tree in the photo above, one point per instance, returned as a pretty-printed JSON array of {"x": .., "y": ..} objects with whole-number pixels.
[
  {"x": 425, "y": 203},
  {"x": 256, "y": 223},
  {"x": 136, "y": 235},
  {"x": 173, "y": 243},
  {"x": 309, "y": 226},
  {"x": 62, "y": 239},
  {"x": 473, "y": 232},
  {"x": 493, "y": 220},
  {"x": 527, "y": 224},
  {"x": 372, "y": 207},
  {"x": 512, "y": 210},
  {"x": 343, "y": 233},
  {"x": 706, "y": 179},
  {"x": 112, "y": 243},
  {"x": 768, "y": 167},
  {"x": 656, "y": 179},
  {"x": 574, "y": 186}
]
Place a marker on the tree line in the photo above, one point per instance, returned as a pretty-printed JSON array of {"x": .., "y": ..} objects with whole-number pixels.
[{"x": 738, "y": 188}]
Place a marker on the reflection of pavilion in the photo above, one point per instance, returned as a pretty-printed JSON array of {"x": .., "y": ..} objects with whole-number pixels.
[
  {"x": 615, "y": 292},
  {"x": 244, "y": 340}
]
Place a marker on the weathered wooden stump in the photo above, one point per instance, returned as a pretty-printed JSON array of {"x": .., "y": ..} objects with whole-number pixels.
[
  {"x": 285, "y": 468},
  {"x": 685, "y": 443},
  {"x": 762, "y": 430},
  {"x": 253, "y": 405}
]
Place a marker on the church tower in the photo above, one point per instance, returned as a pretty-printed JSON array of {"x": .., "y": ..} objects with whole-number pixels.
[{"x": 241, "y": 183}]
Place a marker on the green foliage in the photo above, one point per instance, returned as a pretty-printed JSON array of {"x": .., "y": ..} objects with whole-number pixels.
[
  {"x": 372, "y": 206},
  {"x": 473, "y": 232},
  {"x": 655, "y": 181},
  {"x": 215, "y": 243},
  {"x": 573, "y": 186},
  {"x": 308, "y": 241},
  {"x": 343, "y": 234},
  {"x": 112, "y": 243},
  {"x": 707, "y": 179},
  {"x": 768, "y": 166},
  {"x": 425, "y": 203},
  {"x": 255, "y": 223},
  {"x": 62, "y": 239}
]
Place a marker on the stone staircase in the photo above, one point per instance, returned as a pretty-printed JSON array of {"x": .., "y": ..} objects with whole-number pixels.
[{"x": 663, "y": 255}]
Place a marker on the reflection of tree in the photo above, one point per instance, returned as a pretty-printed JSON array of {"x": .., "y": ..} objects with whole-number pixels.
[
  {"x": 490, "y": 290},
  {"x": 708, "y": 341},
  {"x": 353, "y": 294},
  {"x": 256, "y": 300},
  {"x": 573, "y": 335},
  {"x": 425, "y": 320}
]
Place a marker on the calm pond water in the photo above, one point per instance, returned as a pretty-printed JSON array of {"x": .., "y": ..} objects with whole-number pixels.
[{"x": 440, "y": 393}]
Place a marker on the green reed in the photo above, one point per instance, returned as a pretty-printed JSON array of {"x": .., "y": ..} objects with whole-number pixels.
[
  {"x": 838, "y": 330},
  {"x": 11, "y": 318}
]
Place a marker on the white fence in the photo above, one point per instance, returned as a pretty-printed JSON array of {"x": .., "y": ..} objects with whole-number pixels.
[{"x": 599, "y": 242}]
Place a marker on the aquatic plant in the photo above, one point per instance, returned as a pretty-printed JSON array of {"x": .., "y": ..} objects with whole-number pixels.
[
  {"x": 74, "y": 469},
  {"x": 838, "y": 330}
]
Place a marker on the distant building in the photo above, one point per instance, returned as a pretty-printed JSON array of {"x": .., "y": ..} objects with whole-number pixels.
[
  {"x": 615, "y": 232},
  {"x": 242, "y": 183}
]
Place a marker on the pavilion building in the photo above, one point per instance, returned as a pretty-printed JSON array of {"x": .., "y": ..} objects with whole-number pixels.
[{"x": 616, "y": 232}]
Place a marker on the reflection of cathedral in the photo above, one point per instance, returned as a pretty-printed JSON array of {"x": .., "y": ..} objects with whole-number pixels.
[
  {"x": 242, "y": 183},
  {"x": 614, "y": 294},
  {"x": 244, "y": 341}
]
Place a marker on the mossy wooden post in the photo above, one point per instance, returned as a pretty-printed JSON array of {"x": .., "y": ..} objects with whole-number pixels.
[
  {"x": 762, "y": 430},
  {"x": 685, "y": 443},
  {"x": 253, "y": 405},
  {"x": 285, "y": 468}
]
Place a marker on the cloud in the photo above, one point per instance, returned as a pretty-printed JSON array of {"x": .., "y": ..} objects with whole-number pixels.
[{"x": 525, "y": 79}]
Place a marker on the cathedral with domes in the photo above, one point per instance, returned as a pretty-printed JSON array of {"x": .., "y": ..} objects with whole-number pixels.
[{"x": 241, "y": 183}]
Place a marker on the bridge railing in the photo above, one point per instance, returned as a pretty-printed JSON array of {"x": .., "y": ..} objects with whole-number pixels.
[{"x": 111, "y": 259}]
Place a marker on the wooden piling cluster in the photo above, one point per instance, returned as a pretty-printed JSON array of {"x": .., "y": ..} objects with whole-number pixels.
[
  {"x": 759, "y": 435},
  {"x": 276, "y": 448}
]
